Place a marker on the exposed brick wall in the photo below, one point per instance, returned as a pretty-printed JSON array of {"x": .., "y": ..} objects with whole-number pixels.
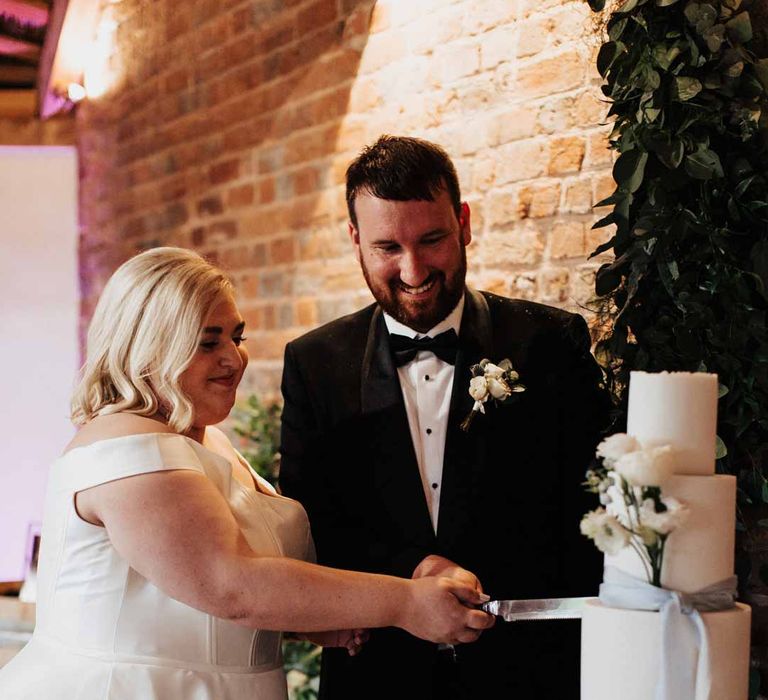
[{"x": 232, "y": 122}]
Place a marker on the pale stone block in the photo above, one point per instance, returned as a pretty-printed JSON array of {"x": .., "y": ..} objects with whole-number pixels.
[
  {"x": 578, "y": 196},
  {"x": 498, "y": 47},
  {"x": 381, "y": 50},
  {"x": 517, "y": 245},
  {"x": 558, "y": 73},
  {"x": 501, "y": 207},
  {"x": 512, "y": 125},
  {"x": 521, "y": 160},
  {"x": 456, "y": 61},
  {"x": 567, "y": 239},
  {"x": 553, "y": 285},
  {"x": 566, "y": 155},
  {"x": 599, "y": 154},
  {"x": 439, "y": 28},
  {"x": 539, "y": 200}
]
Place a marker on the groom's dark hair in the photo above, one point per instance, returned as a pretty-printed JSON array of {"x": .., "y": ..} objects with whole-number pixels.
[{"x": 402, "y": 168}]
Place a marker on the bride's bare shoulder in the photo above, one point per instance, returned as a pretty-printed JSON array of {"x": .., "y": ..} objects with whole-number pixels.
[{"x": 113, "y": 426}]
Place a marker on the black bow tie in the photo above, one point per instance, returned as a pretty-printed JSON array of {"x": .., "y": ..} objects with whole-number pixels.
[{"x": 444, "y": 345}]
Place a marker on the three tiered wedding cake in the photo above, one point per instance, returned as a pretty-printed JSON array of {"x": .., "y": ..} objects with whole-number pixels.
[{"x": 685, "y": 639}]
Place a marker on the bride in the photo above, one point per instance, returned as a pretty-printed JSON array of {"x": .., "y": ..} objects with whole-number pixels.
[{"x": 167, "y": 567}]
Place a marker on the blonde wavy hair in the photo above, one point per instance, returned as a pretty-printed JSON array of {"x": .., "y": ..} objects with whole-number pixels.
[{"x": 143, "y": 335}]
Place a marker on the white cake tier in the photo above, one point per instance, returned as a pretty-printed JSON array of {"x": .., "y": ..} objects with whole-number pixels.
[
  {"x": 621, "y": 653},
  {"x": 701, "y": 551},
  {"x": 678, "y": 409}
]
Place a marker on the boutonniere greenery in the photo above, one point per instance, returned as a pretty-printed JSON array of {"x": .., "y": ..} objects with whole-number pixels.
[{"x": 490, "y": 381}]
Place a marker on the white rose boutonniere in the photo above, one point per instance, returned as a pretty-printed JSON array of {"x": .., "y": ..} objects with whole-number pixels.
[{"x": 497, "y": 382}]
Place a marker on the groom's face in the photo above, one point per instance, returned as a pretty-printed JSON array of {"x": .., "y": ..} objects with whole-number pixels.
[{"x": 413, "y": 256}]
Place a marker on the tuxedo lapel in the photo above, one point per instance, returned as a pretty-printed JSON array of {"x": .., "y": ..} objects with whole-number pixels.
[
  {"x": 464, "y": 450},
  {"x": 379, "y": 385},
  {"x": 396, "y": 475}
]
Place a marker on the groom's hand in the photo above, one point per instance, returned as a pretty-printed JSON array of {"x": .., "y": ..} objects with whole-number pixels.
[
  {"x": 352, "y": 640},
  {"x": 435, "y": 565}
]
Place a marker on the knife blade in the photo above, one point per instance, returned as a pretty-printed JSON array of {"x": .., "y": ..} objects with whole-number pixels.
[{"x": 537, "y": 608}]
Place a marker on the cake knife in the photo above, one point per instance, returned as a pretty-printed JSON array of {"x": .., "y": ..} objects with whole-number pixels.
[{"x": 537, "y": 609}]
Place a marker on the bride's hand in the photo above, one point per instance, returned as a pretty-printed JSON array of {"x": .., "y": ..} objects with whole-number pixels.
[{"x": 352, "y": 640}]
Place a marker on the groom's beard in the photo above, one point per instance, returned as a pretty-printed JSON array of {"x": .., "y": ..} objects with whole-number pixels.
[{"x": 423, "y": 315}]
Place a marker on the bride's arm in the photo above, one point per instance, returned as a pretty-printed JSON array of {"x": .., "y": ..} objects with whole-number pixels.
[{"x": 176, "y": 530}]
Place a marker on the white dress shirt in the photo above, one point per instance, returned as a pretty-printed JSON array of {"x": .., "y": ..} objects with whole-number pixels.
[{"x": 426, "y": 383}]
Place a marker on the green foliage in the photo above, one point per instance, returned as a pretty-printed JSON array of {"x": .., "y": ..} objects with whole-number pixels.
[
  {"x": 257, "y": 435},
  {"x": 687, "y": 288},
  {"x": 258, "y": 427},
  {"x": 302, "y": 666}
]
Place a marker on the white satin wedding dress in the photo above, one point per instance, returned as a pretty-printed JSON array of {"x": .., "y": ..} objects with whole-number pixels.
[{"x": 104, "y": 632}]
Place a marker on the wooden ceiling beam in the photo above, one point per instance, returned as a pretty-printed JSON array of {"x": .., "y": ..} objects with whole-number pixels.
[
  {"x": 18, "y": 103},
  {"x": 19, "y": 49},
  {"x": 16, "y": 73}
]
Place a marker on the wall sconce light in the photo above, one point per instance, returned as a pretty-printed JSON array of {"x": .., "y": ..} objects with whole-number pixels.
[{"x": 75, "y": 92}]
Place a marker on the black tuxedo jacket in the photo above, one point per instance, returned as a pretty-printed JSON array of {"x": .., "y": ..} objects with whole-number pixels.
[{"x": 511, "y": 498}]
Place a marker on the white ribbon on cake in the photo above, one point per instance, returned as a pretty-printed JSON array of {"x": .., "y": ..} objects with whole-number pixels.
[{"x": 684, "y": 671}]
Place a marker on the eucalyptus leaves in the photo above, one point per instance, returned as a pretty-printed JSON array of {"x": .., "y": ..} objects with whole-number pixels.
[{"x": 687, "y": 288}]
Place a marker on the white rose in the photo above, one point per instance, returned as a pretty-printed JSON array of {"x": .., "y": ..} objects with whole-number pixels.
[
  {"x": 478, "y": 388},
  {"x": 613, "y": 494},
  {"x": 616, "y": 446},
  {"x": 648, "y": 467},
  {"x": 498, "y": 387},
  {"x": 492, "y": 370},
  {"x": 607, "y": 532},
  {"x": 295, "y": 679},
  {"x": 668, "y": 520}
]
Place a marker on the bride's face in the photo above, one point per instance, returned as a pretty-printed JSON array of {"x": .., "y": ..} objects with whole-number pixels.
[{"x": 217, "y": 367}]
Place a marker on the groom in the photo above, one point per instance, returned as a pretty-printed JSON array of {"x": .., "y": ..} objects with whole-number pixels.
[{"x": 372, "y": 443}]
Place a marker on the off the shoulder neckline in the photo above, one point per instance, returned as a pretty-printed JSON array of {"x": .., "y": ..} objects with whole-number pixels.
[
  {"x": 132, "y": 436},
  {"x": 195, "y": 445}
]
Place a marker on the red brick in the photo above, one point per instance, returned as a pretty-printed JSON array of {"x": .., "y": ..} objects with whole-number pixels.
[
  {"x": 305, "y": 311},
  {"x": 210, "y": 35},
  {"x": 241, "y": 50},
  {"x": 305, "y": 181},
  {"x": 210, "y": 205},
  {"x": 224, "y": 171},
  {"x": 240, "y": 196},
  {"x": 315, "y": 15},
  {"x": 175, "y": 188},
  {"x": 282, "y": 251},
  {"x": 278, "y": 36},
  {"x": 267, "y": 190}
]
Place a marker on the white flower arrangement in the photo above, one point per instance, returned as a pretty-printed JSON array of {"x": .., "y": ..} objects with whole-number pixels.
[
  {"x": 490, "y": 381},
  {"x": 629, "y": 477}
]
